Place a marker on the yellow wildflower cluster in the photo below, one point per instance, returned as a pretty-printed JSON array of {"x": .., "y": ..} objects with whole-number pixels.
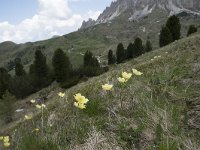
[
  {"x": 40, "y": 106},
  {"x": 107, "y": 87},
  {"x": 6, "y": 140},
  {"x": 81, "y": 101},
  {"x": 125, "y": 77}
]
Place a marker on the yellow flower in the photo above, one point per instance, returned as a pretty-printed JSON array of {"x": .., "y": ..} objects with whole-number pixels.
[
  {"x": 126, "y": 75},
  {"x": 155, "y": 57},
  {"x": 1, "y": 138},
  {"x": 152, "y": 59},
  {"x": 6, "y": 144},
  {"x": 61, "y": 94},
  {"x": 32, "y": 101},
  {"x": 79, "y": 105},
  {"x": 37, "y": 130},
  {"x": 26, "y": 117},
  {"x": 121, "y": 80},
  {"x": 38, "y": 106},
  {"x": 80, "y": 99},
  {"x": 6, "y": 139},
  {"x": 107, "y": 87},
  {"x": 159, "y": 56},
  {"x": 43, "y": 106},
  {"x": 136, "y": 72}
]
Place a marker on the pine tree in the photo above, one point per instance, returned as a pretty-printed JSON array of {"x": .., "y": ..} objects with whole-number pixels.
[
  {"x": 6, "y": 105},
  {"x": 111, "y": 58},
  {"x": 130, "y": 51},
  {"x": 40, "y": 65},
  {"x": 174, "y": 26},
  {"x": 4, "y": 81},
  {"x": 121, "y": 54},
  {"x": 90, "y": 60},
  {"x": 19, "y": 69},
  {"x": 148, "y": 46},
  {"x": 138, "y": 47},
  {"x": 165, "y": 37},
  {"x": 192, "y": 29},
  {"x": 62, "y": 66}
]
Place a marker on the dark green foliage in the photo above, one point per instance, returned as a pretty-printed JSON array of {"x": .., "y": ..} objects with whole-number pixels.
[
  {"x": 138, "y": 47},
  {"x": 192, "y": 29},
  {"x": 90, "y": 60},
  {"x": 33, "y": 142},
  {"x": 40, "y": 65},
  {"x": 21, "y": 86},
  {"x": 31, "y": 69},
  {"x": 111, "y": 58},
  {"x": 165, "y": 37},
  {"x": 174, "y": 26},
  {"x": 39, "y": 71},
  {"x": 62, "y": 66},
  {"x": 73, "y": 80},
  {"x": 91, "y": 65},
  {"x": 6, "y": 107},
  {"x": 19, "y": 69},
  {"x": 148, "y": 46},
  {"x": 121, "y": 54},
  {"x": 130, "y": 51},
  {"x": 4, "y": 81},
  {"x": 94, "y": 108}
]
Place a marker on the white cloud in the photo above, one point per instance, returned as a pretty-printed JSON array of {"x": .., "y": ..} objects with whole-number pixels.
[
  {"x": 53, "y": 17},
  {"x": 93, "y": 14}
]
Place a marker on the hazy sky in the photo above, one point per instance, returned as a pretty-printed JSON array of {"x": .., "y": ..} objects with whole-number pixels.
[{"x": 32, "y": 20}]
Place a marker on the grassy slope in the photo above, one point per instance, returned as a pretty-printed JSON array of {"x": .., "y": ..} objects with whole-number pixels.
[
  {"x": 159, "y": 109},
  {"x": 98, "y": 39}
]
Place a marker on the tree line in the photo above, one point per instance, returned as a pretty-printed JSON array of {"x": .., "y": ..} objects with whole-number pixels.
[
  {"x": 41, "y": 75},
  {"x": 169, "y": 33}
]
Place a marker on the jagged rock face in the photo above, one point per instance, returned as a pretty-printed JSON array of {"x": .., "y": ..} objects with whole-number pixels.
[
  {"x": 141, "y": 8},
  {"x": 88, "y": 23}
]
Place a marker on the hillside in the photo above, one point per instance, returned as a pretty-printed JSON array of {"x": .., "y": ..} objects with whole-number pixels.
[
  {"x": 157, "y": 110},
  {"x": 98, "y": 38}
]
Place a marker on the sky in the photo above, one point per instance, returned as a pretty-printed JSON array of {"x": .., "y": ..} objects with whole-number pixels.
[{"x": 33, "y": 20}]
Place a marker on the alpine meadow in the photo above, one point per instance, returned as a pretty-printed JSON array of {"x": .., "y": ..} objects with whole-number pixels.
[{"x": 128, "y": 78}]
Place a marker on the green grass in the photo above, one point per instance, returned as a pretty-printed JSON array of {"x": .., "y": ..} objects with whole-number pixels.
[{"x": 150, "y": 112}]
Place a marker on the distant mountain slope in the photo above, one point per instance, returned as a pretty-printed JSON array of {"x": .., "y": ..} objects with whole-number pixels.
[{"x": 158, "y": 109}]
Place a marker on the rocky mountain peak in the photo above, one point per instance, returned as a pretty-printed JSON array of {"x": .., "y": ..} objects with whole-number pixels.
[
  {"x": 141, "y": 8},
  {"x": 87, "y": 24}
]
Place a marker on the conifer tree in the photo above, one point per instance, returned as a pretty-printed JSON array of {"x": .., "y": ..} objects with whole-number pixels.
[
  {"x": 138, "y": 47},
  {"x": 148, "y": 46},
  {"x": 111, "y": 57},
  {"x": 174, "y": 26},
  {"x": 4, "y": 81},
  {"x": 90, "y": 60},
  {"x": 40, "y": 65},
  {"x": 6, "y": 105},
  {"x": 165, "y": 37},
  {"x": 19, "y": 69},
  {"x": 130, "y": 51},
  {"x": 121, "y": 54},
  {"x": 192, "y": 29},
  {"x": 62, "y": 66}
]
